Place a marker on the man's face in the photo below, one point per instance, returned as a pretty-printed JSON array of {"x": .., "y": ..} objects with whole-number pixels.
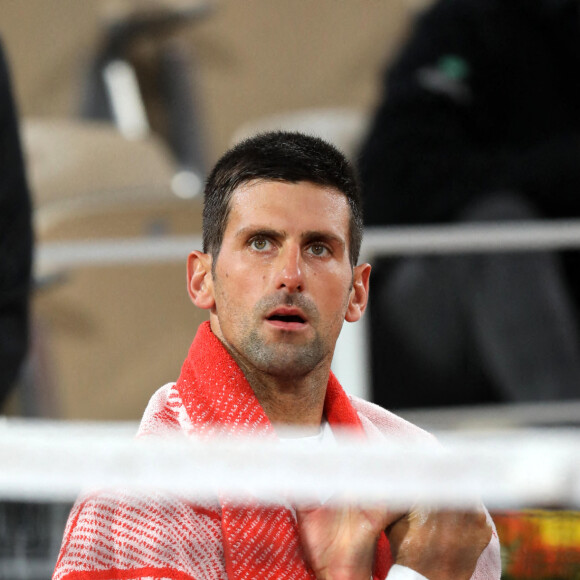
[{"x": 283, "y": 283}]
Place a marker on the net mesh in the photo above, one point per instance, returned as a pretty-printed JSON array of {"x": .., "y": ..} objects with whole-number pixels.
[
  {"x": 536, "y": 544},
  {"x": 30, "y": 538}
]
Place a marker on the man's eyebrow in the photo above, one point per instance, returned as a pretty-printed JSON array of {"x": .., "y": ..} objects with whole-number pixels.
[{"x": 251, "y": 231}]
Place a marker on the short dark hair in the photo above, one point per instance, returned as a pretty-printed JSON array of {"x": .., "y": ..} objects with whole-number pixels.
[{"x": 279, "y": 156}]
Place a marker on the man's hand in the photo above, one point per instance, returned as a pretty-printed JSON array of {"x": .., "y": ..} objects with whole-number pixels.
[
  {"x": 440, "y": 544},
  {"x": 339, "y": 541}
]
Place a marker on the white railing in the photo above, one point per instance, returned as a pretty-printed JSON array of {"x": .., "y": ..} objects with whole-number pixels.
[{"x": 351, "y": 361}]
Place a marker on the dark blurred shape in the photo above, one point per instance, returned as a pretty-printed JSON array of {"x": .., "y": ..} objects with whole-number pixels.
[
  {"x": 30, "y": 537},
  {"x": 15, "y": 241},
  {"x": 479, "y": 122}
]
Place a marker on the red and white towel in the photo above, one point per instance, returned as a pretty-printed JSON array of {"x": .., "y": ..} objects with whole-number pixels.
[{"x": 125, "y": 535}]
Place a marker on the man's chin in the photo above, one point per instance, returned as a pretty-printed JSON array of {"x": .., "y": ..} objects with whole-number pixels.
[{"x": 288, "y": 360}]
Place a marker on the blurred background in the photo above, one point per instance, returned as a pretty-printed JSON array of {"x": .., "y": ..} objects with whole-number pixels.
[
  {"x": 123, "y": 106},
  {"x": 249, "y": 59}
]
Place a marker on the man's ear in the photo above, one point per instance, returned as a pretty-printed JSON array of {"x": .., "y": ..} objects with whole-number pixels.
[
  {"x": 359, "y": 294},
  {"x": 200, "y": 280}
]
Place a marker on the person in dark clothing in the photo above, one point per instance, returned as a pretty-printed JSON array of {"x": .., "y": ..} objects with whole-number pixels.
[
  {"x": 480, "y": 121},
  {"x": 15, "y": 241}
]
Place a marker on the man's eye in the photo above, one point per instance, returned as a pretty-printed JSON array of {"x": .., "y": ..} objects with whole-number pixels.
[
  {"x": 259, "y": 244},
  {"x": 318, "y": 249}
]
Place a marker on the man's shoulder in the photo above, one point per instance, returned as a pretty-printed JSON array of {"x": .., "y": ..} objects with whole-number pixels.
[
  {"x": 164, "y": 413},
  {"x": 390, "y": 425}
]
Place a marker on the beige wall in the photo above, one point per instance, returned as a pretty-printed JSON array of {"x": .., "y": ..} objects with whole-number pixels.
[
  {"x": 255, "y": 57},
  {"x": 46, "y": 42}
]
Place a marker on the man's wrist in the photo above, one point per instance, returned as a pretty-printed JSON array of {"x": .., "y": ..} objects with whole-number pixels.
[{"x": 398, "y": 572}]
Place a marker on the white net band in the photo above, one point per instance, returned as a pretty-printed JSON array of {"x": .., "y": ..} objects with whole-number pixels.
[{"x": 56, "y": 461}]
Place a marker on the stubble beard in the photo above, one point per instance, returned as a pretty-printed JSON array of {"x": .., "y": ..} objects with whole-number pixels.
[{"x": 283, "y": 359}]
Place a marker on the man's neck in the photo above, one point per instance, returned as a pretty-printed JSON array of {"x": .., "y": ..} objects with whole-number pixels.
[
  {"x": 289, "y": 400},
  {"x": 295, "y": 402}
]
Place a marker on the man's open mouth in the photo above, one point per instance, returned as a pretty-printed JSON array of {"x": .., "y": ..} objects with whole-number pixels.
[{"x": 287, "y": 318}]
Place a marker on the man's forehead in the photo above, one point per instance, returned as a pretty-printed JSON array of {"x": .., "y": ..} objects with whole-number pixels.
[
  {"x": 271, "y": 188},
  {"x": 302, "y": 205}
]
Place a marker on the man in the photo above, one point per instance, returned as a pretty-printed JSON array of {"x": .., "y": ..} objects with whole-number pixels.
[{"x": 282, "y": 232}]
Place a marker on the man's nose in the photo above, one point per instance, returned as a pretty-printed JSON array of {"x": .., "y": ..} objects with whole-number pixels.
[{"x": 290, "y": 269}]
